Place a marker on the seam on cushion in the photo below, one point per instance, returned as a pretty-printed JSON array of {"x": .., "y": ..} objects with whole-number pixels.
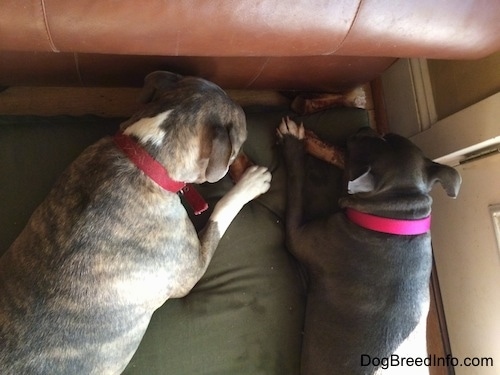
[
  {"x": 47, "y": 28},
  {"x": 348, "y": 31},
  {"x": 258, "y": 74},
  {"x": 77, "y": 68}
]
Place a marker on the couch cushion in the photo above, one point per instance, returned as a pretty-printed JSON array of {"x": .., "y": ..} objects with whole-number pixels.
[
  {"x": 33, "y": 153},
  {"x": 245, "y": 315}
]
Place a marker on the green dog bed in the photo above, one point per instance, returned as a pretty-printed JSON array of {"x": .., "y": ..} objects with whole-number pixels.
[{"x": 245, "y": 315}]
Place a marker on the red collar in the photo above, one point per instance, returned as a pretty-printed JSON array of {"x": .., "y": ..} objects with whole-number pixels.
[
  {"x": 158, "y": 173},
  {"x": 390, "y": 226}
]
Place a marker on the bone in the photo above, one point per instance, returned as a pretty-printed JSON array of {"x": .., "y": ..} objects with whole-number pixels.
[
  {"x": 313, "y": 145},
  {"x": 239, "y": 166},
  {"x": 311, "y": 103},
  {"x": 321, "y": 150}
]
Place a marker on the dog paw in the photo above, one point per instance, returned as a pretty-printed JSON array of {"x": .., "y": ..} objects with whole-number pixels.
[
  {"x": 290, "y": 127},
  {"x": 255, "y": 181}
]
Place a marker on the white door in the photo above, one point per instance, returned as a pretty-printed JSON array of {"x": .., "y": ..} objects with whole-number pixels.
[
  {"x": 468, "y": 265},
  {"x": 464, "y": 242}
]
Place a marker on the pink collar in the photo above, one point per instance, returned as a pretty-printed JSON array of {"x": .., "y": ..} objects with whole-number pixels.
[
  {"x": 158, "y": 173},
  {"x": 390, "y": 226}
]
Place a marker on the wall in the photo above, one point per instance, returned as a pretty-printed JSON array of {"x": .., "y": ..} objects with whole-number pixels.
[
  {"x": 463, "y": 237},
  {"x": 459, "y": 84},
  {"x": 418, "y": 92}
]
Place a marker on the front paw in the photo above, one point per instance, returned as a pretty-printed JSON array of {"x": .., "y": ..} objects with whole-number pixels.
[
  {"x": 290, "y": 127},
  {"x": 255, "y": 181}
]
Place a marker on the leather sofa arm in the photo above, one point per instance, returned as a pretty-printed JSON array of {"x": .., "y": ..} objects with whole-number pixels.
[{"x": 424, "y": 28}]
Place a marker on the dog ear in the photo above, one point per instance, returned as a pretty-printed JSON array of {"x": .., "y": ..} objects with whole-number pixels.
[
  {"x": 218, "y": 148},
  {"x": 364, "y": 182},
  {"x": 449, "y": 178},
  {"x": 156, "y": 82}
]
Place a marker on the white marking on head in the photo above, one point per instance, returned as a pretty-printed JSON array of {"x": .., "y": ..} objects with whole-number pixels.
[{"x": 148, "y": 129}]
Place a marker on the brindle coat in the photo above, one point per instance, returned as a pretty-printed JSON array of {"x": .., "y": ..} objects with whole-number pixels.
[{"x": 108, "y": 246}]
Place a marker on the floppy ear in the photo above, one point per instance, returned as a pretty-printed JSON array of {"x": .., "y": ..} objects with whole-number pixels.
[
  {"x": 449, "y": 178},
  {"x": 157, "y": 82},
  {"x": 363, "y": 182},
  {"x": 219, "y": 148}
]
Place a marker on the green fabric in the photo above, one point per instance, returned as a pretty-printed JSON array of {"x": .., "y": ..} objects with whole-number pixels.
[
  {"x": 245, "y": 315},
  {"x": 33, "y": 153}
]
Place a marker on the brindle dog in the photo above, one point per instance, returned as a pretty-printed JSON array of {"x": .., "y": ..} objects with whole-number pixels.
[{"x": 108, "y": 246}]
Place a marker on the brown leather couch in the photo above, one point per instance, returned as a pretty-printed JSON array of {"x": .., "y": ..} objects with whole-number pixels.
[{"x": 239, "y": 44}]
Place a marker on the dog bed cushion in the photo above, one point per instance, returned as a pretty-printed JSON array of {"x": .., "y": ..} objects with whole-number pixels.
[{"x": 245, "y": 315}]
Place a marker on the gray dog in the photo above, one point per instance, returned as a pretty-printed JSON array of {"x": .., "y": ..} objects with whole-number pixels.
[
  {"x": 368, "y": 267},
  {"x": 112, "y": 241}
]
